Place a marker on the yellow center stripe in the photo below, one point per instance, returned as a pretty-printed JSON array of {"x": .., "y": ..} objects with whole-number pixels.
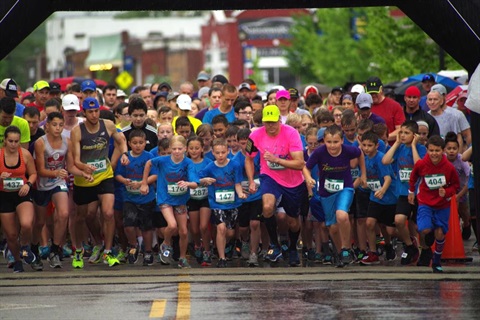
[
  {"x": 158, "y": 308},
  {"x": 183, "y": 305}
]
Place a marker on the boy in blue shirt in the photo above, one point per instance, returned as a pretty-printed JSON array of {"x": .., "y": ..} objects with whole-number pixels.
[{"x": 223, "y": 177}]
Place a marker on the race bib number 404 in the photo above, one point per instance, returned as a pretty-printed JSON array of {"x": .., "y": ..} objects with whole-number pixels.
[{"x": 435, "y": 181}]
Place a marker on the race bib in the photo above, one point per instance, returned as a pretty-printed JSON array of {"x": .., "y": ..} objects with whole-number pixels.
[
  {"x": 404, "y": 174},
  {"x": 374, "y": 184},
  {"x": 174, "y": 190},
  {"x": 99, "y": 164},
  {"x": 332, "y": 185},
  {"x": 275, "y": 166},
  {"x": 435, "y": 181},
  {"x": 12, "y": 184},
  {"x": 355, "y": 173},
  {"x": 199, "y": 194},
  {"x": 132, "y": 190},
  {"x": 224, "y": 196}
]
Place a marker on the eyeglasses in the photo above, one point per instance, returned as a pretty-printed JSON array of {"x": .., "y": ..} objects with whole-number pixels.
[{"x": 338, "y": 115}]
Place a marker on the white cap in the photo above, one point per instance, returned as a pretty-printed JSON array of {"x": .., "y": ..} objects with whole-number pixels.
[
  {"x": 364, "y": 100},
  {"x": 70, "y": 102},
  {"x": 358, "y": 88},
  {"x": 121, "y": 93},
  {"x": 184, "y": 102}
]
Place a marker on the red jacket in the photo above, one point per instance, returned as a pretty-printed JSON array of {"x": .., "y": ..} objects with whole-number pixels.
[{"x": 423, "y": 170}]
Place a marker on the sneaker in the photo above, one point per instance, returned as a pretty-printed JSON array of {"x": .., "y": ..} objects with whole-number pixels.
[
  {"x": 466, "y": 232},
  {"x": 311, "y": 255},
  {"x": 148, "y": 259},
  {"x": 338, "y": 261},
  {"x": 318, "y": 258},
  {"x": 18, "y": 266},
  {"x": 7, "y": 254},
  {"x": 67, "y": 251},
  {"x": 390, "y": 253},
  {"x": 327, "y": 259},
  {"x": 44, "y": 252},
  {"x": 77, "y": 261},
  {"x": 370, "y": 258},
  {"x": 293, "y": 259},
  {"x": 36, "y": 265},
  {"x": 410, "y": 255},
  {"x": 425, "y": 257},
  {"x": 87, "y": 250},
  {"x": 133, "y": 255},
  {"x": 206, "y": 259},
  {"x": 198, "y": 254},
  {"x": 346, "y": 256},
  {"x": 166, "y": 254},
  {"x": 284, "y": 248},
  {"x": 252, "y": 260},
  {"x": 436, "y": 268},
  {"x": 360, "y": 255},
  {"x": 222, "y": 263},
  {"x": 245, "y": 250},
  {"x": 122, "y": 256},
  {"x": 263, "y": 254},
  {"x": 27, "y": 255},
  {"x": 183, "y": 263},
  {"x": 110, "y": 259},
  {"x": 273, "y": 254},
  {"x": 96, "y": 254},
  {"x": 54, "y": 260}
]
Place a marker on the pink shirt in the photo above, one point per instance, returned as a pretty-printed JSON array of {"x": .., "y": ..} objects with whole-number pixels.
[{"x": 287, "y": 141}]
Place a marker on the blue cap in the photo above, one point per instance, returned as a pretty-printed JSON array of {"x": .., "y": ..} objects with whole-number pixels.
[
  {"x": 428, "y": 77},
  {"x": 320, "y": 134},
  {"x": 88, "y": 85},
  {"x": 90, "y": 103}
]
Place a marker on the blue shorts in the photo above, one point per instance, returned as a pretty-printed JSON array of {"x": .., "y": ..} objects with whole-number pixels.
[
  {"x": 430, "y": 218},
  {"x": 291, "y": 199},
  {"x": 43, "y": 198},
  {"x": 316, "y": 209},
  {"x": 338, "y": 201}
]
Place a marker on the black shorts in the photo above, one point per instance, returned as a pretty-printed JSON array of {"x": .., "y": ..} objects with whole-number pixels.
[
  {"x": 229, "y": 217},
  {"x": 43, "y": 198},
  {"x": 86, "y": 195},
  {"x": 10, "y": 200},
  {"x": 158, "y": 219},
  {"x": 249, "y": 211},
  {"x": 385, "y": 214},
  {"x": 405, "y": 208},
  {"x": 362, "y": 199},
  {"x": 353, "y": 207},
  {"x": 138, "y": 215},
  {"x": 195, "y": 205}
]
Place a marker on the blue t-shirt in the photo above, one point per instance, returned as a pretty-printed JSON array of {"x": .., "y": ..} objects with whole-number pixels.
[
  {"x": 201, "y": 192},
  {"x": 381, "y": 145},
  {"x": 304, "y": 141},
  {"x": 403, "y": 165},
  {"x": 209, "y": 155},
  {"x": 134, "y": 172},
  {"x": 240, "y": 158},
  {"x": 221, "y": 193},
  {"x": 376, "y": 171},
  {"x": 168, "y": 174},
  {"x": 19, "y": 109},
  {"x": 215, "y": 112},
  {"x": 154, "y": 152}
]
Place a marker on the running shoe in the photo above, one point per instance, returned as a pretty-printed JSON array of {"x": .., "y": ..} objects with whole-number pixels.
[
  {"x": 122, "y": 256},
  {"x": 183, "y": 263},
  {"x": 27, "y": 255},
  {"x": 133, "y": 255},
  {"x": 96, "y": 254},
  {"x": 425, "y": 257},
  {"x": 360, "y": 256},
  {"x": 148, "y": 259},
  {"x": 284, "y": 248},
  {"x": 293, "y": 259},
  {"x": 198, "y": 254},
  {"x": 110, "y": 259},
  {"x": 87, "y": 250},
  {"x": 206, "y": 259},
  {"x": 44, "y": 252},
  {"x": 370, "y": 258},
  {"x": 436, "y": 268},
  {"x": 18, "y": 266},
  {"x": 77, "y": 261},
  {"x": 36, "y": 265},
  {"x": 245, "y": 250},
  {"x": 346, "y": 256},
  {"x": 410, "y": 255},
  {"x": 390, "y": 253},
  {"x": 67, "y": 251},
  {"x": 166, "y": 254},
  {"x": 262, "y": 254},
  {"x": 338, "y": 261},
  {"x": 273, "y": 253},
  {"x": 222, "y": 263},
  {"x": 253, "y": 260},
  {"x": 318, "y": 258},
  {"x": 311, "y": 254},
  {"x": 54, "y": 260},
  {"x": 327, "y": 259}
]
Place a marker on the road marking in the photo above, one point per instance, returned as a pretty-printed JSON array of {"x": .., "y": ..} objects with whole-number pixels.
[
  {"x": 183, "y": 305},
  {"x": 158, "y": 308}
]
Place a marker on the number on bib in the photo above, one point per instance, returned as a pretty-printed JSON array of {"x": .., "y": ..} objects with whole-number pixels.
[
  {"x": 355, "y": 173},
  {"x": 275, "y": 166},
  {"x": 332, "y": 185},
  {"x": 374, "y": 185},
  {"x": 199, "y": 194},
  {"x": 224, "y": 196},
  {"x": 12, "y": 184},
  {"x": 132, "y": 190},
  {"x": 175, "y": 190},
  {"x": 404, "y": 174},
  {"x": 99, "y": 164},
  {"x": 435, "y": 181}
]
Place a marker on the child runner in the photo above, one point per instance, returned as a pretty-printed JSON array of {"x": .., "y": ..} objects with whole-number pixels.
[{"x": 205, "y": 131}]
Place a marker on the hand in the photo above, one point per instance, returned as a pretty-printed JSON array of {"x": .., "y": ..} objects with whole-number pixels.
[
  {"x": 411, "y": 198},
  {"x": 398, "y": 140},
  {"x": 209, "y": 181},
  {"x": 124, "y": 160},
  {"x": 135, "y": 184},
  {"x": 24, "y": 190},
  {"x": 87, "y": 176},
  {"x": 363, "y": 182},
  {"x": 379, "y": 194},
  {"x": 144, "y": 189},
  {"x": 89, "y": 169},
  {"x": 5, "y": 175},
  {"x": 270, "y": 157},
  {"x": 416, "y": 136},
  {"x": 441, "y": 192},
  {"x": 311, "y": 182},
  {"x": 252, "y": 187},
  {"x": 242, "y": 195},
  {"x": 183, "y": 184},
  {"x": 62, "y": 173}
]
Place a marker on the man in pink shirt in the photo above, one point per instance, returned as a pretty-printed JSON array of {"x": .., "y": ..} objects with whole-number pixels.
[
  {"x": 390, "y": 110},
  {"x": 281, "y": 179}
]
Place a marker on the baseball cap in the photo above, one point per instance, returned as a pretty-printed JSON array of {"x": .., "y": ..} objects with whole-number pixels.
[
  {"x": 164, "y": 85},
  {"x": 244, "y": 85},
  {"x": 202, "y": 75},
  {"x": 439, "y": 88},
  {"x": 10, "y": 87},
  {"x": 293, "y": 93},
  {"x": 90, "y": 103},
  {"x": 428, "y": 77},
  {"x": 321, "y": 134},
  {"x": 337, "y": 89},
  {"x": 358, "y": 88},
  {"x": 39, "y": 85},
  {"x": 203, "y": 91},
  {"x": 309, "y": 90},
  {"x": 121, "y": 93},
  {"x": 364, "y": 100},
  {"x": 172, "y": 95},
  {"x": 282, "y": 94},
  {"x": 184, "y": 102},
  {"x": 220, "y": 78},
  {"x": 373, "y": 85},
  {"x": 271, "y": 113},
  {"x": 88, "y": 85},
  {"x": 413, "y": 91},
  {"x": 54, "y": 87},
  {"x": 70, "y": 102}
]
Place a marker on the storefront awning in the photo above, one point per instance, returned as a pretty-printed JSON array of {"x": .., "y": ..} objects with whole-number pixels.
[{"x": 105, "y": 50}]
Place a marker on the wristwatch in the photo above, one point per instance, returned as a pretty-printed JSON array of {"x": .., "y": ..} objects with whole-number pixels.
[{"x": 29, "y": 184}]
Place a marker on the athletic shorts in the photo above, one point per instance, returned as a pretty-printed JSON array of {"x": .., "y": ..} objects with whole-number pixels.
[
  {"x": 138, "y": 215},
  {"x": 195, "y": 205},
  {"x": 229, "y": 217},
  {"x": 288, "y": 198},
  {"x": 43, "y": 198},
  {"x": 341, "y": 200},
  {"x": 249, "y": 211},
  {"x": 86, "y": 195},
  {"x": 430, "y": 218},
  {"x": 405, "y": 208},
  {"x": 10, "y": 200},
  {"x": 316, "y": 210},
  {"x": 353, "y": 206},
  {"x": 362, "y": 199},
  {"x": 383, "y": 213}
]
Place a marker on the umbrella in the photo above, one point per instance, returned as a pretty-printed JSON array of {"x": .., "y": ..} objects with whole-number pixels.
[
  {"x": 452, "y": 96},
  {"x": 445, "y": 81},
  {"x": 68, "y": 80}
]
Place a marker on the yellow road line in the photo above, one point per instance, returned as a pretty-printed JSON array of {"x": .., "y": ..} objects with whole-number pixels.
[
  {"x": 183, "y": 305},
  {"x": 158, "y": 308}
]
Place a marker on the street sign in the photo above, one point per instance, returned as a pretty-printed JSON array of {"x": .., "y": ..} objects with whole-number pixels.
[{"x": 124, "y": 80}]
